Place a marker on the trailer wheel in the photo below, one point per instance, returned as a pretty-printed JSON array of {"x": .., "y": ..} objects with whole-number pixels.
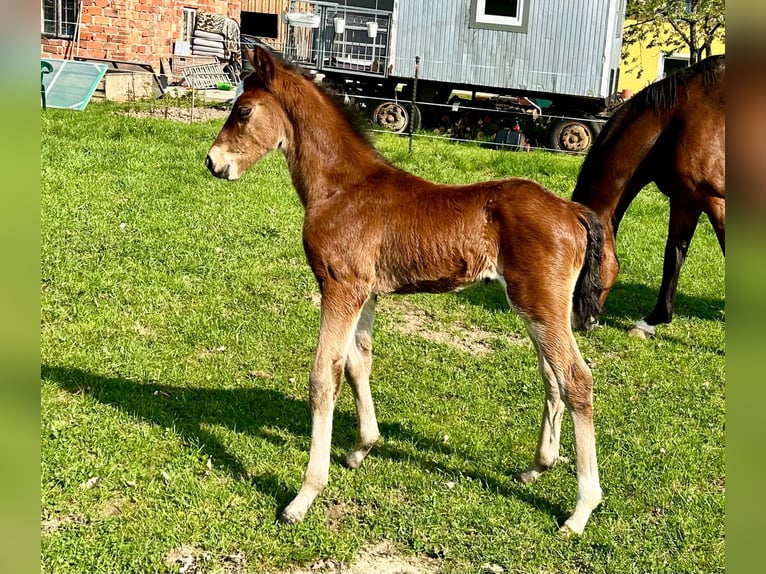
[
  {"x": 395, "y": 116},
  {"x": 571, "y": 135}
]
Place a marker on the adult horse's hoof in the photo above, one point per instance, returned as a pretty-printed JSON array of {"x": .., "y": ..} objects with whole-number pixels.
[{"x": 642, "y": 330}]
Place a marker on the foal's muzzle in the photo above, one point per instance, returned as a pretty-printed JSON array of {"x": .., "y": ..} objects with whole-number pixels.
[{"x": 222, "y": 171}]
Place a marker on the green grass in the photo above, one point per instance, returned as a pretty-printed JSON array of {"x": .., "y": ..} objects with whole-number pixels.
[{"x": 179, "y": 321}]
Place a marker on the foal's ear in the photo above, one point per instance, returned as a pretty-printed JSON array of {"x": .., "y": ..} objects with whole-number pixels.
[{"x": 263, "y": 64}]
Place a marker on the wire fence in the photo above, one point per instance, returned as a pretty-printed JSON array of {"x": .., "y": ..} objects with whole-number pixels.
[{"x": 486, "y": 124}]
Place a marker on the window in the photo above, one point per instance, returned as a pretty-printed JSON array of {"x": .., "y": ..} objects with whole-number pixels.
[
  {"x": 259, "y": 24},
  {"x": 189, "y": 23},
  {"x": 672, "y": 63},
  {"x": 59, "y": 18},
  {"x": 508, "y": 15}
]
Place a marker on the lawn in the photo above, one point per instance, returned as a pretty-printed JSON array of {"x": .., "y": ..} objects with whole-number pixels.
[{"x": 178, "y": 325}]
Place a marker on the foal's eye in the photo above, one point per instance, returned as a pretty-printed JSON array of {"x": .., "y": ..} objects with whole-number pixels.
[{"x": 244, "y": 112}]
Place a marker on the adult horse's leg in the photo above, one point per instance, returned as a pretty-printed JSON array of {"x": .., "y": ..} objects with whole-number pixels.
[
  {"x": 573, "y": 378},
  {"x": 358, "y": 366},
  {"x": 716, "y": 211},
  {"x": 681, "y": 227},
  {"x": 547, "y": 452},
  {"x": 340, "y": 314}
]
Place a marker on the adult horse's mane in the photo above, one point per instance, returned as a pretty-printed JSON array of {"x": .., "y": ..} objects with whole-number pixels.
[
  {"x": 659, "y": 96},
  {"x": 662, "y": 95},
  {"x": 356, "y": 121}
]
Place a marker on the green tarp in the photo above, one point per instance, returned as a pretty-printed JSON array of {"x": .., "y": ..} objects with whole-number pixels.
[{"x": 72, "y": 83}]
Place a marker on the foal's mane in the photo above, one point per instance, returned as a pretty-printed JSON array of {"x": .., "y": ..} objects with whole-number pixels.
[
  {"x": 659, "y": 96},
  {"x": 355, "y": 120}
]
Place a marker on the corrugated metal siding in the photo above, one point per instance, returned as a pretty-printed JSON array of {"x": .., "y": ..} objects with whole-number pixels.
[{"x": 562, "y": 51}]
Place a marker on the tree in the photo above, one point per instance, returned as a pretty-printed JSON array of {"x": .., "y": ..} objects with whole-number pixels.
[{"x": 673, "y": 25}]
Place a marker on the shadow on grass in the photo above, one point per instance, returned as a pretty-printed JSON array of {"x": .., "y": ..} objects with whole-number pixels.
[
  {"x": 632, "y": 301},
  {"x": 626, "y": 303},
  {"x": 258, "y": 412}
]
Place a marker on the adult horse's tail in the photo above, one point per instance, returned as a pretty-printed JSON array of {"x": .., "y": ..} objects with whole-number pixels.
[{"x": 586, "y": 299}]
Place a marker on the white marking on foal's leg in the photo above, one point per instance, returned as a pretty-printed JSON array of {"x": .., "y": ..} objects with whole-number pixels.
[
  {"x": 589, "y": 493},
  {"x": 547, "y": 451},
  {"x": 358, "y": 366},
  {"x": 643, "y": 330},
  {"x": 335, "y": 336},
  {"x": 317, "y": 473},
  {"x": 368, "y": 433}
]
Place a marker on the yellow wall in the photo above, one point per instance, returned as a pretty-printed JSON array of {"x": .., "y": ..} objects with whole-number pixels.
[{"x": 649, "y": 59}]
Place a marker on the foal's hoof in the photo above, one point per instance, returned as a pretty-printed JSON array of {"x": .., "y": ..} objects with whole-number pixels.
[
  {"x": 567, "y": 530},
  {"x": 642, "y": 330},
  {"x": 288, "y": 517},
  {"x": 354, "y": 459},
  {"x": 528, "y": 476}
]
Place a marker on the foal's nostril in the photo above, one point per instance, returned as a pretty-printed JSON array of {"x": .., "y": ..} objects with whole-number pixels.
[{"x": 220, "y": 171}]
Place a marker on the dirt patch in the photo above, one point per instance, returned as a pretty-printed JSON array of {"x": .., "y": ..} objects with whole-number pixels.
[
  {"x": 181, "y": 114},
  {"x": 113, "y": 507},
  {"x": 335, "y": 512},
  {"x": 411, "y": 320},
  {"x": 56, "y": 523},
  {"x": 380, "y": 558},
  {"x": 187, "y": 559}
]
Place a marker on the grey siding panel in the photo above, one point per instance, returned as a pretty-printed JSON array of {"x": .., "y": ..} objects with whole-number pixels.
[{"x": 563, "y": 50}]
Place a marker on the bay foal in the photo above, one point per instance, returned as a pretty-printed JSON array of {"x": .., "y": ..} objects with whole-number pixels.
[{"x": 371, "y": 229}]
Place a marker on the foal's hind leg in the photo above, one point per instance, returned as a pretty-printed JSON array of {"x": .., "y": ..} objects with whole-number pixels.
[
  {"x": 340, "y": 314},
  {"x": 547, "y": 452},
  {"x": 358, "y": 366},
  {"x": 561, "y": 357}
]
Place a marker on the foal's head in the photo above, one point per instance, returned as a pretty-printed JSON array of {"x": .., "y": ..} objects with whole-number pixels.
[{"x": 256, "y": 125}]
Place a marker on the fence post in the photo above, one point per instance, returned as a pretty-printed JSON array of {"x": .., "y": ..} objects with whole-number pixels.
[{"x": 414, "y": 95}]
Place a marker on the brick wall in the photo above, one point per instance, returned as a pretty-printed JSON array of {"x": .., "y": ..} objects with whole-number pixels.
[{"x": 132, "y": 30}]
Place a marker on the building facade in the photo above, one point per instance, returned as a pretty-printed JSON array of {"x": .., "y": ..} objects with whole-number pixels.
[
  {"x": 129, "y": 30},
  {"x": 644, "y": 65}
]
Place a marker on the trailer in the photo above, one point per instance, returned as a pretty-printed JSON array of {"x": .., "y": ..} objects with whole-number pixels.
[{"x": 546, "y": 69}]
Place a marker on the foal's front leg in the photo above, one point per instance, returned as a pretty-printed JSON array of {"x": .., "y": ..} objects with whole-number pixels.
[
  {"x": 339, "y": 318},
  {"x": 568, "y": 382}
]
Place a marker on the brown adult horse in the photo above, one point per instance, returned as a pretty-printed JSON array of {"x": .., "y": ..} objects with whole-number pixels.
[
  {"x": 371, "y": 228},
  {"x": 670, "y": 133}
]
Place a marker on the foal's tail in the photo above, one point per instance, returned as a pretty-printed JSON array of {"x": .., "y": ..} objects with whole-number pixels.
[{"x": 586, "y": 299}]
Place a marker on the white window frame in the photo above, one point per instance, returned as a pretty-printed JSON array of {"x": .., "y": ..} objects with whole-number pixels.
[
  {"x": 59, "y": 23},
  {"x": 189, "y": 20},
  {"x": 678, "y": 56},
  {"x": 480, "y": 18}
]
